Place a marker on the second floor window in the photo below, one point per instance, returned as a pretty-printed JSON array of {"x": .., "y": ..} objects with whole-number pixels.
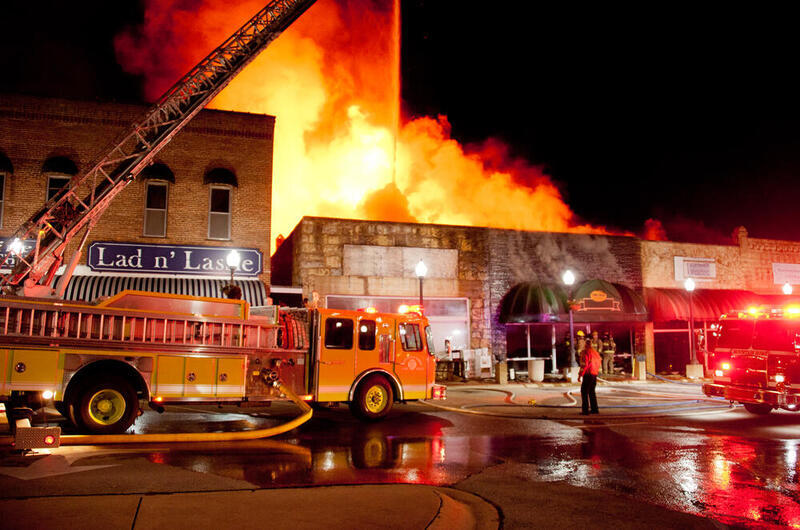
[
  {"x": 55, "y": 183},
  {"x": 155, "y": 209},
  {"x": 219, "y": 213}
]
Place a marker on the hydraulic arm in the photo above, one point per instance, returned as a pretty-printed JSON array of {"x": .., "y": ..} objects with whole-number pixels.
[{"x": 80, "y": 204}]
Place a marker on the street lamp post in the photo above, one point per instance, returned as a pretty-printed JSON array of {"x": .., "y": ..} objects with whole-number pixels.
[
  {"x": 233, "y": 260},
  {"x": 569, "y": 279},
  {"x": 420, "y": 270},
  {"x": 689, "y": 285}
]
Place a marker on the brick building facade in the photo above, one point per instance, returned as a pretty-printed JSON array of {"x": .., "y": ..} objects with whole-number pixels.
[{"x": 209, "y": 188}]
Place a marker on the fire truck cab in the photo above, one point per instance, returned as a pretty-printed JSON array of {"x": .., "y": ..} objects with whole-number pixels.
[{"x": 756, "y": 361}]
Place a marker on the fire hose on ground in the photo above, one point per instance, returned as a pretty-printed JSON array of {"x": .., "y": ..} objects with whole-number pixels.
[{"x": 92, "y": 439}]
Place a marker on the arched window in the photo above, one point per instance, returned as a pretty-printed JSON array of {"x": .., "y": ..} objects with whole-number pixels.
[
  {"x": 157, "y": 177},
  {"x": 58, "y": 170},
  {"x": 221, "y": 182},
  {"x": 6, "y": 170}
]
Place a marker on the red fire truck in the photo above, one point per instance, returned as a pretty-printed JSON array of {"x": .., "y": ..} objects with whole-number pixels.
[{"x": 756, "y": 361}]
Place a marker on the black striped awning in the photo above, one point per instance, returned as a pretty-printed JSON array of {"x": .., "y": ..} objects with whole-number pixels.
[{"x": 89, "y": 288}]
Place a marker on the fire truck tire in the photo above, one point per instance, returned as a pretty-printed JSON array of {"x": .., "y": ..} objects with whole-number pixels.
[
  {"x": 757, "y": 408},
  {"x": 373, "y": 398},
  {"x": 105, "y": 407}
]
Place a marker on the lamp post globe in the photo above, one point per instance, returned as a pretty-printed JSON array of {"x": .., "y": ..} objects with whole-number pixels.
[{"x": 420, "y": 270}]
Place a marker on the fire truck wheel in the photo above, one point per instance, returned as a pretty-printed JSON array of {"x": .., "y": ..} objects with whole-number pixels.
[
  {"x": 107, "y": 407},
  {"x": 757, "y": 408},
  {"x": 373, "y": 398}
]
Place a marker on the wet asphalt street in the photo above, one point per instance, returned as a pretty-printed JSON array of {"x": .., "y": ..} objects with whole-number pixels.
[{"x": 726, "y": 465}]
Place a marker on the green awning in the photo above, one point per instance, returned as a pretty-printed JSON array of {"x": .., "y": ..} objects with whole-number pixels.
[
  {"x": 531, "y": 303},
  {"x": 601, "y": 301},
  {"x": 594, "y": 301}
]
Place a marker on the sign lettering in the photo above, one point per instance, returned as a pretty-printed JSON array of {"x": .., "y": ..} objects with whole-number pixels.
[{"x": 170, "y": 259}]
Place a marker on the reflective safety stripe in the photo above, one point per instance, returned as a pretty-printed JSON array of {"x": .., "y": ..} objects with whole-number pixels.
[
  {"x": 170, "y": 389},
  {"x": 205, "y": 390},
  {"x": 32, "y": 386},
  {"x": 230, "y": 389}
]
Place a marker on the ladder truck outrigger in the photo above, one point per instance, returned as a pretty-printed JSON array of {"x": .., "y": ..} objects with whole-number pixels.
[{"x": 98, "y": 361}]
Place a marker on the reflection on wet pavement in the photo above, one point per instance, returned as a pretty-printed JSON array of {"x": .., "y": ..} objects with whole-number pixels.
[{"x": 736, "y": 480}]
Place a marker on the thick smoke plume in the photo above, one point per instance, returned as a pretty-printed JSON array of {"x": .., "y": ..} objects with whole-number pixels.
[{"x": 341, "y": 147}]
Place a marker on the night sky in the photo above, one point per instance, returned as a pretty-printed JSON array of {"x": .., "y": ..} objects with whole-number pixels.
[{"x": 688, "y": 116}]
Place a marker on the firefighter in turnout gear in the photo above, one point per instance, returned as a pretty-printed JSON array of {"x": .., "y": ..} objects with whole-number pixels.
[
  {"x": 580, "y": 347},
  {"x": 609, "y": 349}
]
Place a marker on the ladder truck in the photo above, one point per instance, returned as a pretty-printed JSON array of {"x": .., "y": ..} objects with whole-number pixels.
[{"x": 97, "y": 362}]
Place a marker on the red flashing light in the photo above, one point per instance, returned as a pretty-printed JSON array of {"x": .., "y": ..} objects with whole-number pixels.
[
  {"x": 49, "y": 439},
  {"x": 726, "y": 366},
  {"x": 368, "y": 309}
]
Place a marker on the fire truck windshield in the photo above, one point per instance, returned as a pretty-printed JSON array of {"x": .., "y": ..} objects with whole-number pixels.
[
  {"x": 735, "y": 333},
  {"x": 781, "y": 335}
]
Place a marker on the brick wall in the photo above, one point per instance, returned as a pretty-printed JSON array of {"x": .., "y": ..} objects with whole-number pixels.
[{"x": 35, "y": 129}]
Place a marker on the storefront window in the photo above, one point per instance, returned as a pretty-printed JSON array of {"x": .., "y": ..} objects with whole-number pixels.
[{"x": 449, "y": 317}]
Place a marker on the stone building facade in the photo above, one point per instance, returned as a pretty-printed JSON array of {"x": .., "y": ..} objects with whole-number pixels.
[
  {"x": 370, "y": 259},
  {"x": 339, "y": 257},
  {"x": 208, "y": 190}
]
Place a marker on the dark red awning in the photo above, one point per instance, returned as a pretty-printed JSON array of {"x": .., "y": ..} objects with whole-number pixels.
[{"x": 707, "y": 304}]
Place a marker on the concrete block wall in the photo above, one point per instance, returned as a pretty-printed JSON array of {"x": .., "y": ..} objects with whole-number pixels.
[
  {"x": 658, "y": 264},
  {"x": 316, "y": 248},
  {"x": 34, "y": 129}
]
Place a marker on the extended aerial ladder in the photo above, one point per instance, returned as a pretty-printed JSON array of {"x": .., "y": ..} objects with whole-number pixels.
[{"x": 79, "y": 205}]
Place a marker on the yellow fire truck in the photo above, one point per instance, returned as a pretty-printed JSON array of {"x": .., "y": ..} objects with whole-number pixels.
[{"x": 97, "y": 362}]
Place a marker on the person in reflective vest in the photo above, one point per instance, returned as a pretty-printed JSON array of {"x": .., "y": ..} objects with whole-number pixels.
[
  {"x": 609, "y": 349},
  {"x": 588, "y": 376}
]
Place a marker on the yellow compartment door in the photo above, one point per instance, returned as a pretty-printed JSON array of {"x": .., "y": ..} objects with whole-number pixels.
[
  {"x": 169, "y": 378},
  {"x": 34, "y": 370},
  {"x": 200, "y": 373},
  {"x": 230, "y": 377}
]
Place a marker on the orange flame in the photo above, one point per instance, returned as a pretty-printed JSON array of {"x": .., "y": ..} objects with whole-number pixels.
[{"x": 340, "y": 149}]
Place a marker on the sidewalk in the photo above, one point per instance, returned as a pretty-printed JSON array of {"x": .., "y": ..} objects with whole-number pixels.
[
  {"x": 618, "y": 397},
  {"x": 401, "y": 506}
]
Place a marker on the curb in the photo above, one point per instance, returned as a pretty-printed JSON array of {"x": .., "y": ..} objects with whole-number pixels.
[{"x": 460, "y": 509}]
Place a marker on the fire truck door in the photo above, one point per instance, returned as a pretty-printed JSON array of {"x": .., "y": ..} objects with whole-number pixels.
[
  {"x": 335, "y": 358},
  {"x": 376, "y": 345},
  {"x": 411, "y": 360}
]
